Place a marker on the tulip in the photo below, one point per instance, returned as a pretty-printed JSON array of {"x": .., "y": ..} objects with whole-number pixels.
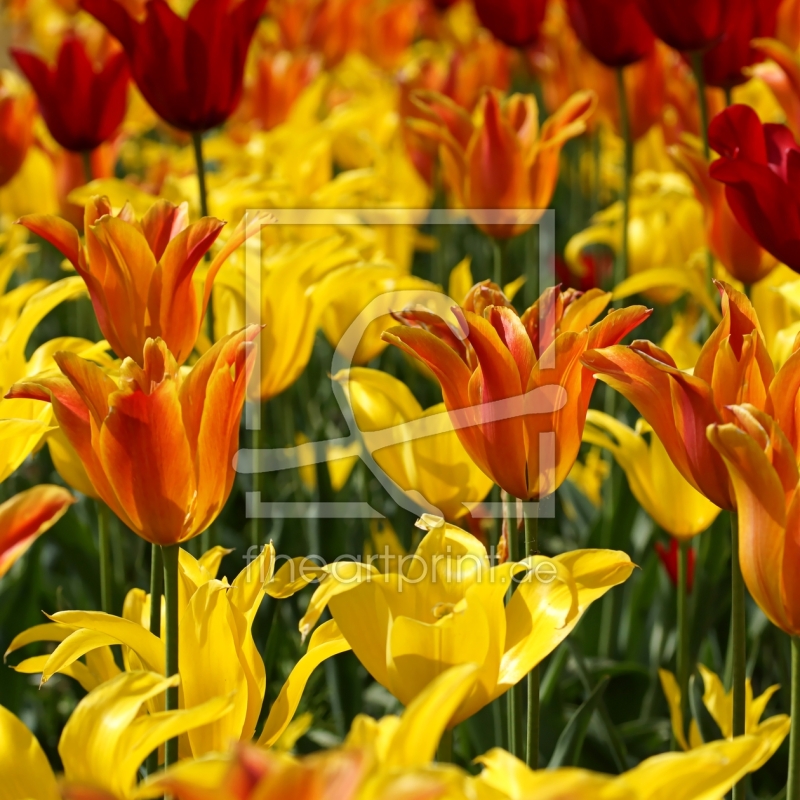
[
  {"x": 17, "y": 115},
  {"x": 24, "y": 423},
  {"x": 614, "y": 32},
  {"x": 719, "y": 704},
  {"x": 781, "y": 74},
  {"x": 435, "y": 466},
  {"x": 755, "y": 165},
  {"x": 443, "y": 607},
  {"x": 673, "y": 503},
  {"x": 733, "y": 367},
  {"x": 26, "y": 516},
  {"x": 157, "y": 446},
  {"x": 216, "y": 649},
  {"x": 725, "y": 62},
  {"x": 376, "y": 755},
  {"x": 103, "y": 743},
  {"x": 514, "y": 22},
  {"x": 501, "y": 159},
  {"x": 189, "y": 69},
  {"x": 730, "y": 243},
  {"x": 495, "y": 355},
  {"x": 83, "y": 103},
  {"x": 688, "y": 25},
  {"x": 708, "y": 771},
  {"x": 670, "y": 556},
  {"x": 140, "y": 273}
]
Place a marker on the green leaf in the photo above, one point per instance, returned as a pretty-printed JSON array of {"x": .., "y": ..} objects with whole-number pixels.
[{"x": 570, "y": 743}]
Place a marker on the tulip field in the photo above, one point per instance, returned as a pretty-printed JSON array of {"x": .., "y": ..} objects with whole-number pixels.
[{"x": 400, "y": 399}]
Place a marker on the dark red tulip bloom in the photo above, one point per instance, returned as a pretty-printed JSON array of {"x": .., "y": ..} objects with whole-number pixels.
[
  {"x": 669, "y": 558},
  {"x": 514, "y": 22},
  {"x": 688, "y": 25},
  {"x": 82, "y": 103},
  {"x": 613, "y": 31},
  {"x": 724, "y": 62},
  {"x": 189, "y": 70},
  {"x": 760, "y": 167}
]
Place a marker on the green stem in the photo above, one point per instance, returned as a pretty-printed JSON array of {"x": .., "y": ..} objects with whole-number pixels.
[
  {"x": 104, "y": 540},
  {"x": 170, "y": 555},
  {"x": 739, "y": 643},
  {"x": 197, "y": 142},
  {"x": 156, "y": 583},
  {"x": 683, "y": 626},
  {"x": 621, "y": 266},
  {"x": 532, "y": 258},
  {"x": 255, "y": 522},
  {"x": 444, "y": 755},
  {"x": 499, "y": 248},
  {"x": 532, "y": 740},
  {"x": 728, "y": 97},
  {"x": 514, "y": 694},
  {"x": 86, "y": 160},
  {"x": 793, "y": 785}
]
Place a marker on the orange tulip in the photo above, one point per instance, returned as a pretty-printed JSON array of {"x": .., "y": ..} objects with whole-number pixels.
[
  {"x": 733, "y": 367},
  {"x": 736, "y": 250},
  {"x": 501, "y": 159},
  {"x": 763, "y": 470},
  {"x": 157, "y": 446},
  {"x": 139, "y": 273},
  {"x": 17, "y": 115},
  {"x": 497, "y": 355},
  {"x": 26, "y": 516}
]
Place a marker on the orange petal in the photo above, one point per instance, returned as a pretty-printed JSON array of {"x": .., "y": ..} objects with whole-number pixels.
[
  {"x": 162, "y": 222},
  {"x": 143, "y": 447},
  {"x": 26, "y": 516},
  {"x": 784, "y": 402},
  {"x": 172, "y": 303},
  {"x": 60, "y": 233}
]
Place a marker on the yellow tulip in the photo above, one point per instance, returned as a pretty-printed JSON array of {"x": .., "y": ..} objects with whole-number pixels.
[
  {"x": 443, "y": 606},
  {"x": 720, "y": 706},
  {"x": 707, "y": 772},
  {"x": 377, "y": 758},
  {"x": 104, "y": 741},
  {"x": 590, "y": 475},
  {"x": 217, "y": 654},
  {"x": 23, "y": 423},
  {"x": 436, "y": 466},
  {"x": 292, "y": 305},
  {"x": 674, "y": 504},
  {"x": 347, "y": 292}
]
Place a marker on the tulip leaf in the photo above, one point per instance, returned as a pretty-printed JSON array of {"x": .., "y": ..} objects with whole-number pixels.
[{"x": 570, "y": 743}]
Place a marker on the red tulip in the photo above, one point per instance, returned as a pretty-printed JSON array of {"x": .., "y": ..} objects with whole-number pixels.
[
  {"x": 688, "y": 25},
  {"x": 613, "y": 31},
  {"x": 723, "y": 63},
  {"x": 190, "y": 70},
  {"x": 514, "y": 22},
  {"x": 82, "y": 103},
  {"x": 760, "y": 166},
  {"x": 669, "y": 558}
]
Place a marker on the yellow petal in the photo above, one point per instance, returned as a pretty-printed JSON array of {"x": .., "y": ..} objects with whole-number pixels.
[
  {"x": 80, "y": 672},
  {"x": 327, "y": 641},
  {"x": 460, "y": 281},
  {"x": 47, "y": 632},
  {"x": 673, "y": 694},
  {"x": 718, "y": 702},
  {"x": 72, "y": 648},
  {"x": 23, "y": 764}
]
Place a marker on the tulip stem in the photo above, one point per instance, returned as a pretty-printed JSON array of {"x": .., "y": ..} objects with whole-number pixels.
[
  {"x": 532, "y": 740},
  {"x": 169, "y": 554},
  {"x": 683, "y": 625},
  {"x": 793, "y": 785},
  {"x": 500, "y": 248},
  {"x": 156, "y": 582},
  {"x": 514, "y": 694},
  {"x": 104, "y": 542},
  {"x": 86, "y": 161},
  {"x": 197, "y": 142},
  {"x": 739, "y": 643},
  {"x": 621, "y": 271}
]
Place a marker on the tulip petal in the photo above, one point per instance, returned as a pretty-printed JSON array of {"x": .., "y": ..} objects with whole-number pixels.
[
  {"x": 80, "y": 672},
  {"x": 673, "y": 694},
  {"x": 326, "y": 642},
  {"x": 77, "y": 644},
  {"x": 27, "y": 516},
  {"x": 47, "y": 632},
  {"x": 23, "y": 764},
  {"x": 56, "y": 230}
]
